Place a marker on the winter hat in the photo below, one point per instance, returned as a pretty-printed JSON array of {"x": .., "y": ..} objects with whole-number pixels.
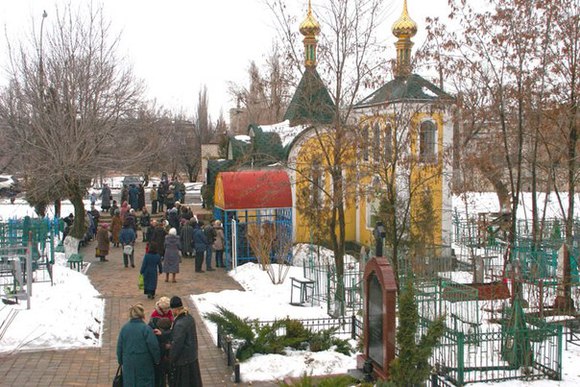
[
  {"x": 175, "y": 302},
  {"x": 172, "y": 231},
  {"x": 163, "y": 303},
  {"x": 177, "y": 203}
]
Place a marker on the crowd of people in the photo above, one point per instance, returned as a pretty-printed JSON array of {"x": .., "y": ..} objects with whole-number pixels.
[{"x": 163, "y": 351}]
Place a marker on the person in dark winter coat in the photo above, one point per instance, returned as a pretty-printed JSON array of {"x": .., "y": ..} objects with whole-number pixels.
[
  {"x": 158, "y": 236},
  {"x": 150, "y": 266},
  {"x": 210, "y": 235},
  {"x": 186, "y": 237},
  {"x": 105, "y": 198},
  {"x": 162, "y": 329},
  {"x": 161, "y": 193},
  {"x": 171, "y": 257},
  {"x": 219, "y": 244},
  {"x": 127, "y": 238},
  {"x": 153, "y": 197},
  {"x": 103, "y": 242},
  {"x": 141, "y": 198},
  {"x": 145, "y": 222},
  {"x": 183, "y": 353},
  {"x": 200, "y": 244},
  {"x": 173, "y": 218},
  {"x": 131, "y": 219},
  {"x": 134, "y": 196},
  {"x": 114, "y": 207},
  {"x": 137, "y": 350}
]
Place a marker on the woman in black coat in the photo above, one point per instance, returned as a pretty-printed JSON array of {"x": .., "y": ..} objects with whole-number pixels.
[{"x": 183, "y": 351}]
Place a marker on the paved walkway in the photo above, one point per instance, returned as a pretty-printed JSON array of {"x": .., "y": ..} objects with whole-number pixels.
[{"x": 118, "y": 286}]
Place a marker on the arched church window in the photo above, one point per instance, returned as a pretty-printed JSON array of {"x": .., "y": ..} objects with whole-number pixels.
[
  {"x": 388, "y": 142},
  {"x": 428, "y": 142},
  {"x": 365, "y": 142},
  {"x": 376, "y": 141}
]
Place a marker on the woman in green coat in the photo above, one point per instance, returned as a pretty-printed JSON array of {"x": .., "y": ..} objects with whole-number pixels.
[{"x": 137, "y": 350}]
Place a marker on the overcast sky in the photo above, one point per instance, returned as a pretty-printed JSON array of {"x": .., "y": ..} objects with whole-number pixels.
[{"x": 178, "y": 45}]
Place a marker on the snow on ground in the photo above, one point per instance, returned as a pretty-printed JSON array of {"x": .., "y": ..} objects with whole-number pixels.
[{"x": 68, "y": 314}]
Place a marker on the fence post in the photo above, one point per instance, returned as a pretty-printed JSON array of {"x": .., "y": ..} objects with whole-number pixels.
[
  {"x": 541, "y": 298},
  {"x": 219, "y": 336},
  {"x": 353, "y": 327},
  {"x": 237, "y": 372},
  {"x": 229, "y": 350},
  {"x": 460, "y": 358},
  {"x": 559, "y": 338},
  {"x": 29, "y": 271}
]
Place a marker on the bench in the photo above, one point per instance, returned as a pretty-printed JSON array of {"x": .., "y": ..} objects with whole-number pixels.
[
  {"x": 304, "y": 286},
  {"x": 75, "y": 261}
]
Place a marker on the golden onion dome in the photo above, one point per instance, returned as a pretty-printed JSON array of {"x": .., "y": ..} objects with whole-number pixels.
[
  {"x": 405, "y": 27},
  {"x": 309, "y": 26}
]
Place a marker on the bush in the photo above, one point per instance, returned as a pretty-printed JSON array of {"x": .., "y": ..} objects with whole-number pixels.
[{"x": 256, "y": 338}]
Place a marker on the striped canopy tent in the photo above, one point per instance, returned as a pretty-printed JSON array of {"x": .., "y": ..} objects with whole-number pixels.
[{"x": 255, "y": 197}]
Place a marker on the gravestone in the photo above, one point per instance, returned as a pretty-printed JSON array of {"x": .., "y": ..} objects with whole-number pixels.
[
  {"x": 479, "y": 269},
  {"x": 71, "y": 246},
  {"x": 379, "y": 317}
]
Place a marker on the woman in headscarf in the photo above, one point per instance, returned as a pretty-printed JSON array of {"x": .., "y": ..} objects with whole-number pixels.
[
  {"x": 171, "y": 257},
  {"x": 137, "y": 350}
]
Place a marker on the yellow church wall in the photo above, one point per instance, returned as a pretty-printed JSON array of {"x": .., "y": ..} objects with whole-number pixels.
[
  {"x": 309, "y": 152},
  {"x": 429, "y": 176},
  {"x": 424, "y": 177}
]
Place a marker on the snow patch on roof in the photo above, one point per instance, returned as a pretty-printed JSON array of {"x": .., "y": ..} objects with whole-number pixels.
[
  {"x": 428, "y": 92},
  {"x": 242, "y": 137},
  {"x": 286, "y": 132}
]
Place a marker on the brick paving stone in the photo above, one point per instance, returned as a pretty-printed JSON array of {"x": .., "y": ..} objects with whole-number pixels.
[{"x": 118, "y": 287}]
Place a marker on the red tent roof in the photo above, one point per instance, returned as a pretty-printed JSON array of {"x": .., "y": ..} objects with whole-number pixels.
[{"x": 252, "y": 189}]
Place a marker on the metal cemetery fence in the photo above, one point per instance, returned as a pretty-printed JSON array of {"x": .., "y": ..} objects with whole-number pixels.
[{"x": 494, "y": 355}]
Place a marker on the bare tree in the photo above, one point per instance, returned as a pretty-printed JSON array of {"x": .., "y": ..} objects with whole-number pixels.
[
  {"x": 266, "y": 98},
  {"x": 68, "y": 94},
  {"x": 272, "y": 243},
  {"x": 511, "y": 61}
]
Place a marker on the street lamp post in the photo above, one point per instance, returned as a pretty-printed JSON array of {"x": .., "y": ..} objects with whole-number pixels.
[{"x": 40, "y": 64}]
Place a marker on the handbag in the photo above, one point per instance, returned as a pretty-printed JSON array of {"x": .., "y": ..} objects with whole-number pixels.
[
  {"x": 118, "y": 379},
  {"x": 141, "y": 283},
  {"x": 127, "y": 249}
]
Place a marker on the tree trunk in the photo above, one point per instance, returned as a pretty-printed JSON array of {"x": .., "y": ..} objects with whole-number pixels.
[{"x": 78, "y": 228}]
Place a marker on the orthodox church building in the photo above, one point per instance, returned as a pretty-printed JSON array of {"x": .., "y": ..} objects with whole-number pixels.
[{"x": 401, "y": 145}]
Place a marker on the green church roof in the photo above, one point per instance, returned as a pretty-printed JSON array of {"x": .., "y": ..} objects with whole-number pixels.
[
  {"x": 311, "y": 102},
  {"x": 405, "y": 88}
]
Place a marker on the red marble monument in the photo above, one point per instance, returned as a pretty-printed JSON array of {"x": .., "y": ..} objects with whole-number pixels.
[{"x": 379, "y": 317}]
